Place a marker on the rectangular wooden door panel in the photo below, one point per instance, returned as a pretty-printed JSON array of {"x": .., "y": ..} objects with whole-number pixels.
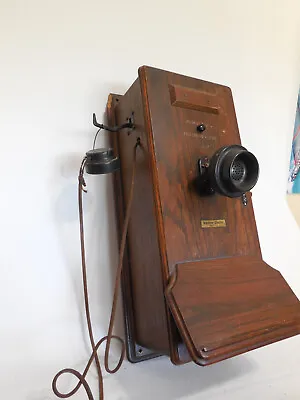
[{"x": 177, "y": 105}]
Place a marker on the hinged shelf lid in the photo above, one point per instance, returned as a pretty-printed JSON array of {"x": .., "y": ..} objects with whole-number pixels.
[{"x": 227, "y": 306}]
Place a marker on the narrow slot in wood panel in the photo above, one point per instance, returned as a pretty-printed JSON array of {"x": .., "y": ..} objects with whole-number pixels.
[{"x": 194, "y": 99}]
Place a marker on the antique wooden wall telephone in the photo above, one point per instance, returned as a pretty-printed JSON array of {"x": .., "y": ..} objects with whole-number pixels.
[{"x": 195, "y": 287}]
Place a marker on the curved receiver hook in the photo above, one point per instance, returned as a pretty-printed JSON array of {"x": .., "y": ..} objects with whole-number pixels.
[{"x": 117, "y": 128}]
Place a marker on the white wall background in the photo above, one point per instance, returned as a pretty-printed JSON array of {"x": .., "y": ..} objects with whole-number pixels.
[{"x": 59, "y": 61}]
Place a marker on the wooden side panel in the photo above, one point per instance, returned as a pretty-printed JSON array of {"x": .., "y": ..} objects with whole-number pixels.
[
  {"x": 177, "y": 105},
  {"x": 149, "y": 307}
]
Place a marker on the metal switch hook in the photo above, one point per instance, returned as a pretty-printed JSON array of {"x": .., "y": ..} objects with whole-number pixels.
[{"x": 128, "y": 124}]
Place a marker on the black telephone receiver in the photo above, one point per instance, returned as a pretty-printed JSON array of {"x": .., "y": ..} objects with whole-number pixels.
[{"x": 103, "y": 161}]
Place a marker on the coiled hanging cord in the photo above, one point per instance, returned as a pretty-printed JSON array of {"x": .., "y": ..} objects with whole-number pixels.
[{"x": 82, "y": 376}]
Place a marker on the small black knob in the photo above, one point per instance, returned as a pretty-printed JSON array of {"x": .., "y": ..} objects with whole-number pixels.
[{"x": 201, "y": 128}]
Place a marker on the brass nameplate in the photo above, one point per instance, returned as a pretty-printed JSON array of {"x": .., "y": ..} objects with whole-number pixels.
[{"x": 213, "y": 223}]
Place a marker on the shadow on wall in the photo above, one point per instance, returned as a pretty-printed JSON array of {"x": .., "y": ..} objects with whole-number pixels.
[
  {"x": 160, "y": 380},
  {"x": 67, "y": 227}
]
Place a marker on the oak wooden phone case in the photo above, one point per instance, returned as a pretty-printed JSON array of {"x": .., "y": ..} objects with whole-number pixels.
[{"x": 195, "y": 286}]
